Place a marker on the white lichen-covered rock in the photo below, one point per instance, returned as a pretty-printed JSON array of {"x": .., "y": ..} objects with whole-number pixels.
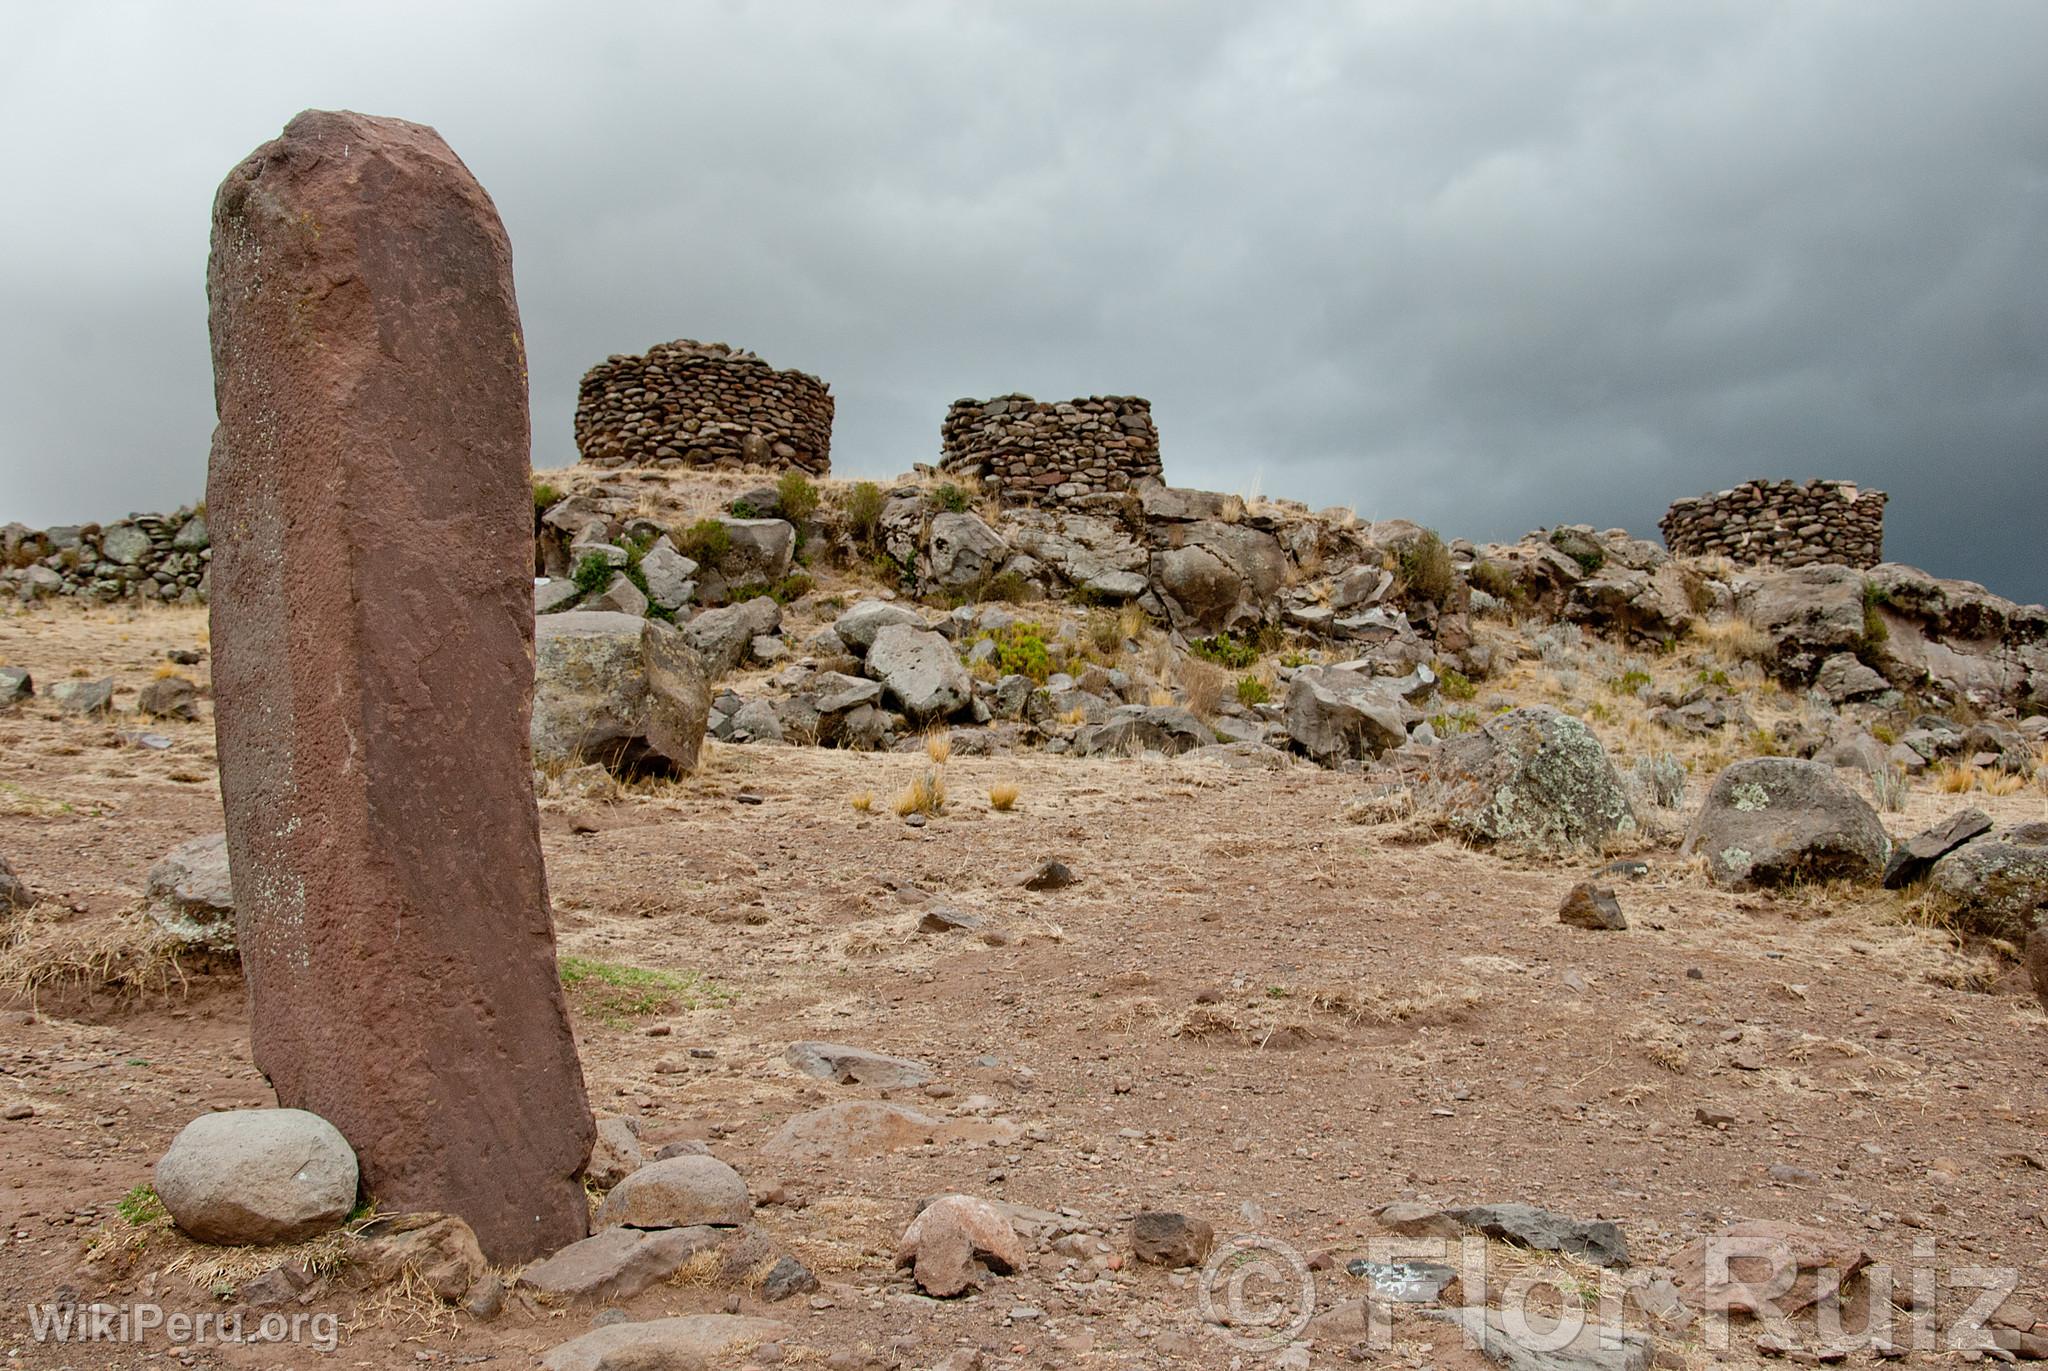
[
  {"x": 189, "y": 895},
  {"x": 919, "y": 672},
  {"x": 247, "y": 1176},
  {"x": 1770, "y": 820},
  {"x": 1533, "y": 778}
]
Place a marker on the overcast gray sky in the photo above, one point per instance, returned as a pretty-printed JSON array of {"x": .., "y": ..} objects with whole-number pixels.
[{"x": 1488, "y": 266}]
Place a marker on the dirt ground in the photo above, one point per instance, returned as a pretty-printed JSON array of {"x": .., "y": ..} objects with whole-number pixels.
[{"x": 1249, "y": 1008}]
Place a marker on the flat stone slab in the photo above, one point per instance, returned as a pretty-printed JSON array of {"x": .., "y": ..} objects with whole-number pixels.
[
  {"x": 618, "y": 1263},
  {"x": 846, "y": 1065},
  {"x": 693, "y": 1342}
]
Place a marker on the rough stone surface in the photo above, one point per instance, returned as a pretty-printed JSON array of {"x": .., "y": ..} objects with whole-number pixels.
[
  {"x": 1596, "y": 1346},
  {"x": 436, "y": 1250},
  {"x": 1526, "y": 1225},
  {"x": 16, "y": 686},
  {"x": 617, "y": 1263},
  {"x": 616, "y": 1154},
  {"x": 1770, "y": 820},
  {"x": 1587, "y": 905},
  {"x": 858, "y": 626},
  {"x": 919, "y": 673},
  {"x": 2037, "y": 963},
  {"x": 1130, "y": 729},
  {"x": 721, "y": 636},
  {"x": 688, "y": 403},
  {"x": 1915, "y": 857},
  {"x": 951, "y": 1237},
  {"x": 855, "y": 1127},
  {"x": 625, "y": 692},
  {"x": 1031, "y": 450},
  {"x": 690, "y": 1342},
  {"x": 855, "y": 1065},
  {"x": 169, "y": 697},
  {"x": 14, "y": 892},
  {"x": 1996, "y": 887},
  {"x": 1533, "y": 778},
  {"x": 1782, "y": 522},
  {"x": 1333, "y": 715},
  {"x": 677, "y": 1193},
  {"x": 372, "y": 673},
  {"x": 82, "y": 697},
  {"x": 1165, "y": 1238},
  {"x": 257, "y": 1176},
  {"x": 1747, "y": 1265},
  {"x": 189, "y": 893}
]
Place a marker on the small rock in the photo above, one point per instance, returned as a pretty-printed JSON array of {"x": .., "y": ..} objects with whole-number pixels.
[
  {"x": 846, "y": 1065},
  {"x": 1588, "y": 905},
  {"x": 947, "y": 1244},
  {"x": 1166, "y": 1238},
  {"x": 677, "y": 1193},
  {"x": 257, "y": 1176},
  {"x": 1049, "y": 875}
]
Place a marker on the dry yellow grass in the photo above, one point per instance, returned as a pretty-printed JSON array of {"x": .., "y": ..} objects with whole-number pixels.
[
  {"x": 1732, "y": 639},
  {"x": 1160, "y": 698},
  {"x": 2002, "y": 783},
  {"x": 1203, "y": 683},
  {"x": 1003, "y": 797},
  {"x": 862, "y": 801},
  {"x": 938, "y": 745},
  {"x": 926, "y": 795},
  {"x": 1074, "y": 717},
  {"x": 1952, "y": 779}
]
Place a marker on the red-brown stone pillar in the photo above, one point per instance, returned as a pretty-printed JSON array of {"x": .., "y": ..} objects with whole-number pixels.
[{"x": 373, "y": 667}]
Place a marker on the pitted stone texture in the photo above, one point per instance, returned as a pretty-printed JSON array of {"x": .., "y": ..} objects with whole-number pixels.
[
  {"x": 257, "y": 1176},
  {"x": 1770, "y": 820},
  {"x": 626, "y": 692},
  {"x": 372, "y": 626}
]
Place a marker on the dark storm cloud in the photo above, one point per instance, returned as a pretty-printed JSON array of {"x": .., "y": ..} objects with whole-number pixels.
[{"x": 1490, "y": 266}]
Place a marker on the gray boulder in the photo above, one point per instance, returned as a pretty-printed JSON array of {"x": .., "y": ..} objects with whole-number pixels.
[
  {"x": 1843, "y": 678},
  {"x": 919, "y": 672},
  {"x": 628, "y": 693},
  {"x": 688, "y": 1342},
  {"x": 846, "y": 1065},
  {"x": 16, "y": 686},
  {"x": 124, "y": 544},
  {"x": 620, "y": 596},
  {"x": 1198, "y": 588},
  {"x": 247, "y": 1176},
  {"x": 1143, "y": 728},
  {"x": 189, "y": 895},
  {"x": 757, "y": 555},
  {"x": 857, "y": 627},
  {"x": 83, "y": 697},
  {"x": 1915, "y": 857},
  {"x": 961, "y": 552},
  {"x": 14, "y": 892},
  {"x": 1334, "y": 715},
  {"x": 1995, "y": 886},
  {"x": 669, "y": 574},
  {"x": 1533, "y": 778},
  {"x": 1650, "y": 605},
  {"x": 677, "y": 1193},
  {"x": 722, "y": 636},
  {"x": 554, "y": 595},
  {"x": 1810, "y": 613},
  {"x": 1771, "y": 820}
]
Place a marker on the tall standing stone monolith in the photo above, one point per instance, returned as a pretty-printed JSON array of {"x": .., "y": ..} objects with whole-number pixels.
[{"x": 373, "y": 670}]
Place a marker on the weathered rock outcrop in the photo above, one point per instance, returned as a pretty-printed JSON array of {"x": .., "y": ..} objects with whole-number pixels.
[
  {"x": 627, "y": 693},
  {"x": 1773, "y": 820},
  {"x": 1532, "y": 778}
]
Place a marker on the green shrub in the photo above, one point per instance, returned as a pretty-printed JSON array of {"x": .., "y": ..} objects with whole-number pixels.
[
  {"x": 1579, "y": 548},
  {"x": 1252, "y": 691},
  {"x": 544, "y": 496},
  {"x": 743, "y": 509},
  {"x": 794, "y": 586},
  {"x": 1875, "y": 631},
  {"x": 141, "y": 1207},
  {"x": 797, "y": 495},
  {"x": 1630, "y": 681},
  {"x": 1426, "y": 568},
  {"x": 1021, "y": 651},
  {"x": 950, "y": 498},
  {"x": 592, "y": 574},
  {"x": 705, "y": 542},
  {"x": 1225, "y": 649},
  {"x": 614, "y": 991},
  {"x": 863, "y": 510},
  {"x": 1455, "y": 685},
  {"x": 1496, "y": 579}
]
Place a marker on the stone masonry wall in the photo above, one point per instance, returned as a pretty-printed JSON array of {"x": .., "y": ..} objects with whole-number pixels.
[
  {"x": 1781, "y": 522},
  {"x": 702, "y": 404},
  {"x": 1026, "y": 449},
  {"x": 144, "y": 556}
]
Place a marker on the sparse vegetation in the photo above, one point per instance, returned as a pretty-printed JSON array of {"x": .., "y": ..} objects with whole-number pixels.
[
  {"x": 141, "y": 1207},
  {"x": 706, "y": 542},
  {"x": 1455, "y": 685},
  {"x": 1425, "y": 568},
  {"x": 862, "y": 801},
  {"x": 1225, "y": 649},
  {"x": 863, "y": 511},
  {"x": 798, "y": 496},
  {"x": 1002, "y": 797},
  {"x": 794, "y": 586},
  {"x": 612, "y": 991},
  {"x": 950, "y": 498},
  {"x": 1252, "y": 691},
  {"x": 1021, "y": 651},
  {"x": 593, "y": 573},
  {"x": 545, "y": 496},
  {"x": 1496, "y": 579},
  {"x": 938, "y": 745},
  {"x": 925, "y": 795}
]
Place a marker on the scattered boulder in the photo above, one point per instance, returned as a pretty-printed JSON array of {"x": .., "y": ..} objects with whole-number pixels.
[
  {"x": 757, "y": 555},
  {"x": 1915, "y": 857},
  {"x": 1809, "y": 613},
  {"x": 678, "y": 1193},
  {"x": 618, "y": 1263},
  {"x": 690, "y": 1342},
  {"x": 857, "y": 627},
  {"x": 961, "y": 553},
  {"x": 1050, "y": 874},
  {"x": 247, "y": 1176},
  {"x": 855, "y": 1127},
  {"x": 1334, "y": 715},
  {"x": 438, "y": 1251},
  {"x": 1130, "y": 729},
  {"x": 16, "y": 686},
  {"x": 919, "y": 672},
  {"x": 1526, "y": 1225},
  {"x": 669, "y": 575},
  {"x": 83, "y": 697},
  {"x": 1588, "y": 905},
  {"x": 721, "y": 637},
  {"x": 616, "y": 1153},
  {"x": 1843, "y": 678},
  {"x": 622, "y": 691},
  {"x": 1760, "y": 1265},
  {"x": 855, "y": 1065},
  {"x": 1533, "y": 778},
  {"x": 1165, "y": 1238},
  {"x": 619, "y": 596},
  {"x": 953, "y": 1239},
  {"x": 1997, "y": 887},
  {"x": 1771, "y": 820},
  {"x": 189, "y": 895},
  {"x": 169, "y": 697},
  {"x": 1594, "y": 1347}
]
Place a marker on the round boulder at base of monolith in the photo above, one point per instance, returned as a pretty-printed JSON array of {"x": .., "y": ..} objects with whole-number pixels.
[
  {"x": 371, "y": 513},
  {"x": 257, "y": 1176}
]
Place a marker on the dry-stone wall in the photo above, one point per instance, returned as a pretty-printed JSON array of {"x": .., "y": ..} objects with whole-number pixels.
[
  {"x": 1781, "y": 522},
  {"x": 144, "y": 556},
  {"x": 1026, "y": 449},
  {"x": 702, "y": 404}
]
